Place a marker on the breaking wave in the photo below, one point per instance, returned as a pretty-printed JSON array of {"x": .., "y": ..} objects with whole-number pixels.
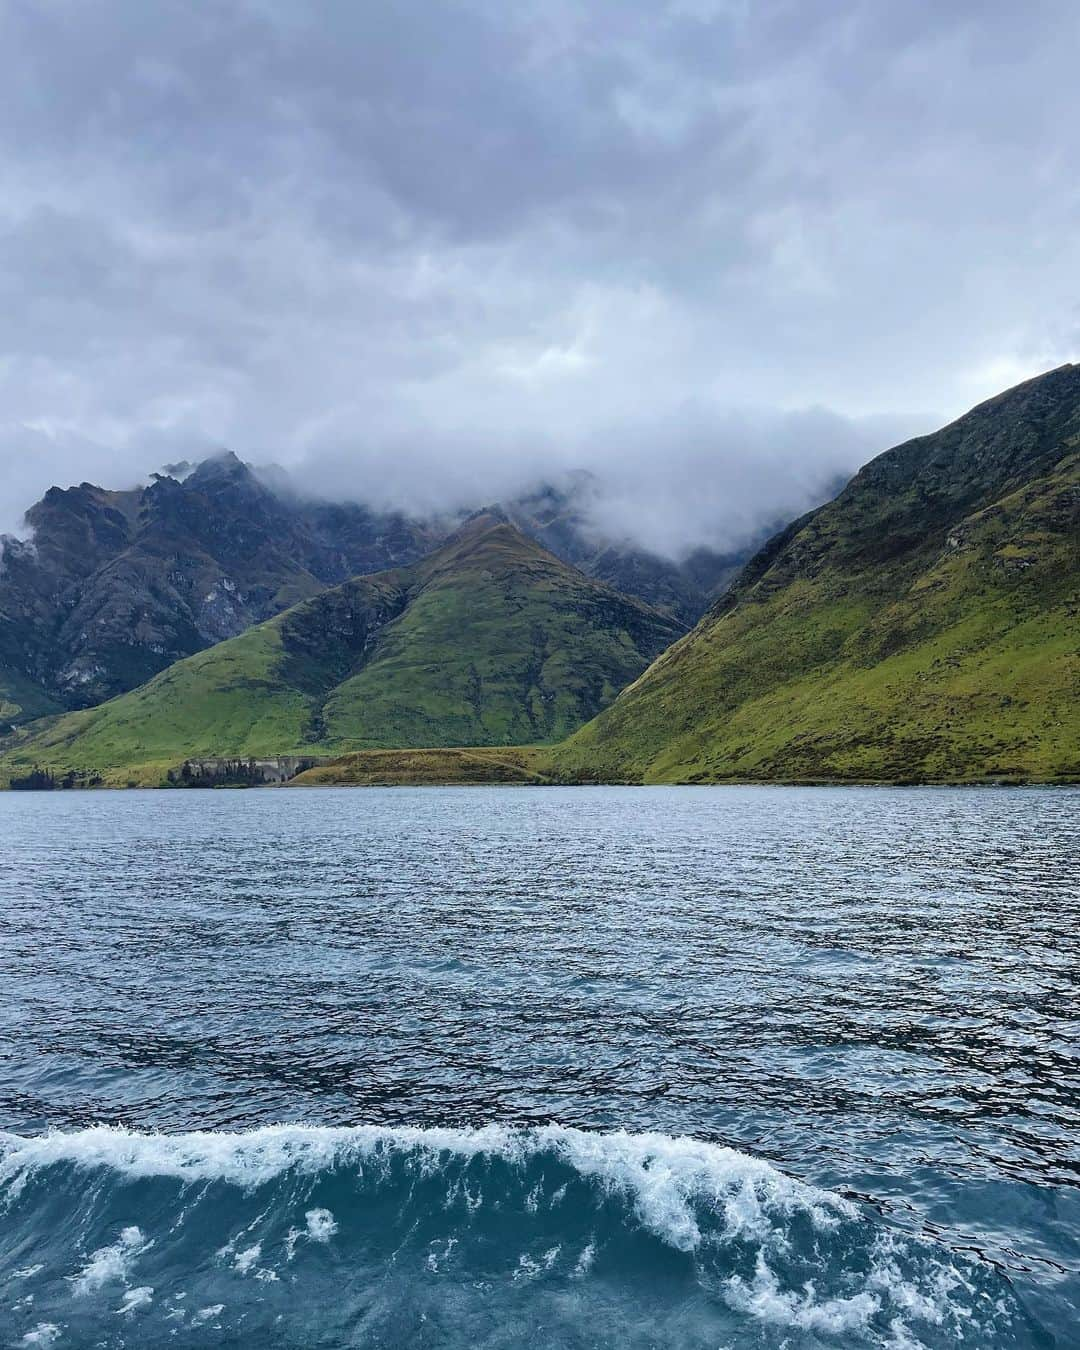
[{"x": 296, "y": 1235}]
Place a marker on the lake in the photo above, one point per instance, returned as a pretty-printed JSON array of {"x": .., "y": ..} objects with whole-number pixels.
[{"x": 584, "y": 1067}]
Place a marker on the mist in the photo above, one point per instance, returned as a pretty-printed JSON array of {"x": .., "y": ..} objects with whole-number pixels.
[{"x": 699, "y": 478}]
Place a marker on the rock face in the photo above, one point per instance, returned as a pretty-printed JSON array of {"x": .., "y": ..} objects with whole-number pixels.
[
  {"x": 115, "y": 586},
  {"x": 922, "y": 626}
]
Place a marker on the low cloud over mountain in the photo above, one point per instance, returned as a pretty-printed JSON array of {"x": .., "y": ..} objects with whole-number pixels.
[{"x": 409, "y": 248}]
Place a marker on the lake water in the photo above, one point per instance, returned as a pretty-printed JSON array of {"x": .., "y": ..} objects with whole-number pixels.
[{"x": 540, "y": 1067}]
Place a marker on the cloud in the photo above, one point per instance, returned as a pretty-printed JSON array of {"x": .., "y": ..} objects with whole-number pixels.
[
  {"x": 446, "y": 243},
  {"x": 694, "y": 476}
]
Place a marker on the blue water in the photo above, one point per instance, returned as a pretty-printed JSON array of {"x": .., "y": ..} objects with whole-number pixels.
[{"x": 600, "y": 1067}]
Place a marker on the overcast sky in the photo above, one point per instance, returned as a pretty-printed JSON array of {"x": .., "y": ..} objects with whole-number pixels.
[{"x": 718, "y": 249}]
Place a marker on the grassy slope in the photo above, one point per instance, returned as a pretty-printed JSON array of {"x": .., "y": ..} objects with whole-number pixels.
[
  {"x": 869, "y": 645},
  {"x": 433, "y": 768},
  {"x": 502, "y": 644},
  {"x": 225, "y": 700},
  {"x": 492, "y": 640},
  {"x": 20, "y": 698}
]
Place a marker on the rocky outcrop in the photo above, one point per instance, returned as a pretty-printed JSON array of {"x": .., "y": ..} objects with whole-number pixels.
[{"x": 118, "y": 585}]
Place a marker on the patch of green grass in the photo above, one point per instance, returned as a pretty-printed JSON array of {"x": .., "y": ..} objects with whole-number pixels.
[
  {"x": 21, "y": 700},
  {"x": 539, "y": 660},
  {"x": 224, "y": 701},
  {"x": 430, "y": 767}
]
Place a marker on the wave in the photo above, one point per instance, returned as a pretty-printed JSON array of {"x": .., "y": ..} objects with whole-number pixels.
[{"x": 307, "y": 1235}]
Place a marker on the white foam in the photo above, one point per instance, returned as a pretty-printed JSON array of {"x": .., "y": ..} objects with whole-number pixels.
[
  {"x": 321, "y": 1225},
  {"x": 664, "y": 1175},
  {"x": 207, "y": 1314},
  {"x": 135, "y": 1299},
  {"x": 585, "y": 1260},
  {"x": 243, "y": 1261},
  {"x": 435, "y": 1259},
  {"x": 884, "y": 1294},
  {"x": 764, "y": 1299},
  {"x": 45, "y": 1333},
  {"x": 110, "y": 1264},
  {"x": 528, "y": 1267},
  {"x": 249, "y": 1158}
]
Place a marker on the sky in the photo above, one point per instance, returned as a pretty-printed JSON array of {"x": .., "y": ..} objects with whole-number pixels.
[{"x": 717, "y": 251}]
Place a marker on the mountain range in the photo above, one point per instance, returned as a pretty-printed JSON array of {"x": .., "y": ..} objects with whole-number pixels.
[
  {"x": 922, "y": 626},
  {"x": 114, "y": 586},
  {"x": 490, "y": 640}
]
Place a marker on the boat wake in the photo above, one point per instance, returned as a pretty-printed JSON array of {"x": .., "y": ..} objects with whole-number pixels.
[{"x": 494, "y": 1237}]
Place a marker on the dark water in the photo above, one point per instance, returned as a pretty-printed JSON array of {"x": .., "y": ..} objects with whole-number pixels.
[{"x": 586, "y": 1068}]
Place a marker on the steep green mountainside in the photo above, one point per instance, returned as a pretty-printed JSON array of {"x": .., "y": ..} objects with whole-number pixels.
[
  {"x": 925, "y": 625},
  {"x": 490, "y": 641}
]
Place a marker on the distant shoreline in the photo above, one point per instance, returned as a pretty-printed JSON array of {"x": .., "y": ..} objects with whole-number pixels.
[{"x": 502, "y": 775}]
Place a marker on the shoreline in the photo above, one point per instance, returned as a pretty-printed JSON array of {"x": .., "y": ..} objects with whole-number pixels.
[
  {"x": 852, "y": 783},
  {"x": 442, "y": 767}
]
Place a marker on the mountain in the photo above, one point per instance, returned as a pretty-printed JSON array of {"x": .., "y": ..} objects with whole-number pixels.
[
  {"x": 491, "y": 640},
  {"x": 558, "y": 518},
  {"x": 115, "y": 586},
  {"x": 924, "y": 625}
]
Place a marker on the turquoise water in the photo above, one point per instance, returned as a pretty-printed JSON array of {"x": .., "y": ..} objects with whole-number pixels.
[{"x": 585, "y": 1067}]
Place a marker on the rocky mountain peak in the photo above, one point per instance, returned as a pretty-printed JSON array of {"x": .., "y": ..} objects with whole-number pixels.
[{"x": 225, "y": 466}]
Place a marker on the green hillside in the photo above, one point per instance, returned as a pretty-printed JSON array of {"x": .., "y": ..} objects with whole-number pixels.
[
  {"x": 925, "y": 625},
  {"x": 453, "y": 767},
  {"x": 21, "y": 699},
  {"x": 490, "y": 641}
]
